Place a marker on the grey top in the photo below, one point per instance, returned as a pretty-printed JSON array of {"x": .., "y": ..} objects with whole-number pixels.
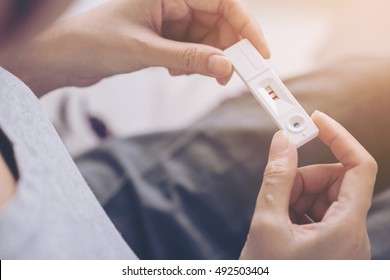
[{"x": 54, "y": 214}]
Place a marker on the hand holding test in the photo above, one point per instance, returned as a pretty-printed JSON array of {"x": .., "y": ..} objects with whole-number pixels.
[{"x": 271, "y": 93}]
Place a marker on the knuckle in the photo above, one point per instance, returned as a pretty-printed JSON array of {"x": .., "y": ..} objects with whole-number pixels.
[
  {"x": 264, "y": 223},
  {"x": 371, "y": 165},
  {"x": 369, "y": 204},
  {"x": 231, "y": 4},
  {"x": 368, "y": 167},
  {"x": 275, "y": 172},
  {"x": 189, "y": 58},
  {"x": 275, "y": 168}
]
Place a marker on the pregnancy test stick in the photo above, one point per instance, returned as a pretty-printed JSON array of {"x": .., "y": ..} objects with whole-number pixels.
[{"x": 271, "y": 93}]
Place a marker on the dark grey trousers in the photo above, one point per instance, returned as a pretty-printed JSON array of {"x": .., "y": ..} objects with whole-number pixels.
[{"x": 190, "y": 194}]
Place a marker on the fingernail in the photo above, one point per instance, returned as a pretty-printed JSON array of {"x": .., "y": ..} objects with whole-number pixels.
[
  {"x": 316, "y": 112},
  {"x": 219, "y": 65},
  {"x": 223, "y": 81},
  {"x": 319, "y": 114},
  {"x": 266, "y": 52},
  {"x": 279, "y": 142}
]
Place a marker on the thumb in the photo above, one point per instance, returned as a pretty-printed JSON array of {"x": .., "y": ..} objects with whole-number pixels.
[
  {"x": 190, "y": 58},
  {"x": 279, "y": 175}
]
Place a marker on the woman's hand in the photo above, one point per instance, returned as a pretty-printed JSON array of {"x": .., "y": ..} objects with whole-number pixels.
[
  {"x": 121, "y": 36},
  {"x": 337, "y": 197}
]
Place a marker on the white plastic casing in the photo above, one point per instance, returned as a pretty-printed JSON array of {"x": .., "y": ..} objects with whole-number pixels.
[{"x": 271, "y": 93}]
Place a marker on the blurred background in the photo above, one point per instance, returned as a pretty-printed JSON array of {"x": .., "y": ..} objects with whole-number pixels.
[{"x": 302, "y": 34}]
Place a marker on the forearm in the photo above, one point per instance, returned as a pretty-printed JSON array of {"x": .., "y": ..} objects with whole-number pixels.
[{"x": 42, "y": 65}]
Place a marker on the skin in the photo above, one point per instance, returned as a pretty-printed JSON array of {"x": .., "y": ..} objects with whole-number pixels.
[
  {"x": 120, "y": 37},
  {"x": 186, "y": 36},
  {"x": 336, "y": 196},
  {"x": 8, "y": 47},
  {"x": 11, "y": 45},
  {"x": 7, "y": 183}
]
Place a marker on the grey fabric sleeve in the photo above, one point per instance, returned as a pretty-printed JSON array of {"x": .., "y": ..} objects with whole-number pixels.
[{"x": 53, "y": 215}]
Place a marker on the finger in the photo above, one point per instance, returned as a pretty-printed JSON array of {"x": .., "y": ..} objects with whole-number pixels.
[
  {"x": 206, "y": 18},
  {"x": 175, "y": 31},
  {"x": 315, "y": 206},
  {"x": 222, "y": 37},
  {"x": 237, "y": 17},
  {"x": 197, "y": 32},
  {"x": 175, "y": 72},
  {"x": 279, "y": 177},
  {"x": 303, "y": 205},
  {"x": 315, "y": 179},
  {"x": 187, "y": 57},
  {"x": 315, "y": 187},
  {"x": 319, "y": 207},
  {"x": 358, "y": 182},
  {"x": 224, "y": 81}
]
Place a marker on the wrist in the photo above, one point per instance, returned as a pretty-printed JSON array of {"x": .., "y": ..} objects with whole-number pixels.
[
  {"x": 40, "y": 65},
  {"x": 37, "y": 77}
]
